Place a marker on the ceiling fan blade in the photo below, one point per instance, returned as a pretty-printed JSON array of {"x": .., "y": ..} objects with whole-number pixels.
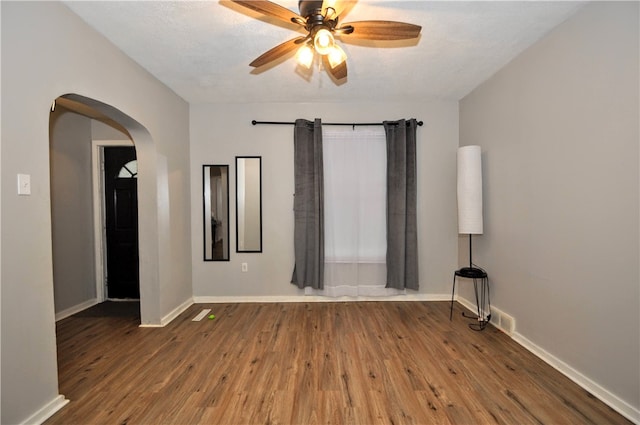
[
  {"x": 338, "y": 72},
  {"x": 379, "y": 30},
  {"x": 271, "y": 9},
  {"x": 277, "y": 52}
]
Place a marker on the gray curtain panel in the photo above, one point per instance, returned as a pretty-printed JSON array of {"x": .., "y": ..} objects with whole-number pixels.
[
  {"x": 308, "y": 205},
  {"x": 402, "y": 232}
]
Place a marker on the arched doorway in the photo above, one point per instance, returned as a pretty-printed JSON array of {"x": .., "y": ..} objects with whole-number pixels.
[{"x": 69, "y": 255}]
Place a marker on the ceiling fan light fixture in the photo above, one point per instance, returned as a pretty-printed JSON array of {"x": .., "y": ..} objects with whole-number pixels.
[
  {"x": 304, "y": 56},
  {"x": 323, "y": 41},
  {"x": 336, "y": 56}
]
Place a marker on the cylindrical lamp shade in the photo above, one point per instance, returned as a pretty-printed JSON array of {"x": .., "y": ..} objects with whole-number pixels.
[{"x": 470, "y": 190}]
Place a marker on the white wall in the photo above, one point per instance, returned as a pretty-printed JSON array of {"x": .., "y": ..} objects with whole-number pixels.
[
  {"x": 47, "y": 52},
  {"x": 220, "y": 132},
  {"x": 559, "y": 130}
]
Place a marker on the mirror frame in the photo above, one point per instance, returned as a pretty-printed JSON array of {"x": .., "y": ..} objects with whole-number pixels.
[
  {"x": 206, "y": 215},
  {"x": 238, "y": 202}
]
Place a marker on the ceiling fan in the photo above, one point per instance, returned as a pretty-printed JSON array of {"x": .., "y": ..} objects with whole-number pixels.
[{"x": 319, "y": 19}]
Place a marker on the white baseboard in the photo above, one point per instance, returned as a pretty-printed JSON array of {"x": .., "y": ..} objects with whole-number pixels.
[
  {"x": 46, "y": 411},
  {"x": 164, "y": 321},
  {"x": 471, "y": 306},
  {"x": 625, "y": 409},
  {"x": 499, "y": 318},
  {"x": 313, "y": 299},
  {"x": 176, "y": 312},
  {"x": 606, "y": 396},
  {"x": 76, "y": 309}
]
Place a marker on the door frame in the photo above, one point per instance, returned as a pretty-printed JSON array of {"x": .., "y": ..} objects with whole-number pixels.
[{"x": 99, "y": 213}]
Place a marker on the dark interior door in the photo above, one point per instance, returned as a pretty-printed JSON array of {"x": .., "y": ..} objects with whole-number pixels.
[{"x": 121, "y": 208}]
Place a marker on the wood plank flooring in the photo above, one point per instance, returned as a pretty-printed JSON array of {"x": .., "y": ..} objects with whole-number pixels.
[{"x": 310, "y": 363}]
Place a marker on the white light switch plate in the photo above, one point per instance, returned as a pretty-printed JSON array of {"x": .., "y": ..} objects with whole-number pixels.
[{"x": 24, "y": 184}]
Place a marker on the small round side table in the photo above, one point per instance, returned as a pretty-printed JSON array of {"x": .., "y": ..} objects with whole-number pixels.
[{"x": 482, "y": 295}]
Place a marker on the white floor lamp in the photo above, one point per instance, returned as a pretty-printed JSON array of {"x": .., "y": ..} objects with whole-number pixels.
[
  {"x": 470, "y": 194},
  {"x": 470, "y": 223}
]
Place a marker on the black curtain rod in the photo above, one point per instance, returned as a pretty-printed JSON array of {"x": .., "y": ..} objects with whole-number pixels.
[{"x": 254, "y": 122}]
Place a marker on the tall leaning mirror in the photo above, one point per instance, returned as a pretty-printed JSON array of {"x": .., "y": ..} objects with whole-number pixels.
[
  {"x": 248, "y": 204},
  {"x": 215, "y": 183}
]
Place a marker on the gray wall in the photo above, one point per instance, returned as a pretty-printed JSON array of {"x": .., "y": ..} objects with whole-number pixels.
[
  {"x": 47, "y": 51},
  {"x": 220, "y": 132},
  {"x": 71, "y": 209},
  {"x": 561, "y": 236},
  {"x": 102, "y": 131},
  {"x": 559, "y": 132}
]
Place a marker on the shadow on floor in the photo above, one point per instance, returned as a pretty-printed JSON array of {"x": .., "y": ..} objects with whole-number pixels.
[{"x": 112, "y": 309}]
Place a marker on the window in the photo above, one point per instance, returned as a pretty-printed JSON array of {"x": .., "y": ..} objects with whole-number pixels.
[
  {"x": 129, "y": 170},
  {"x": 355, "y": 193}
]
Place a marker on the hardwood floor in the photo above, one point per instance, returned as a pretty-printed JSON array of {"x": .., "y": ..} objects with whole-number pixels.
[{"x": 311, "y": 363}]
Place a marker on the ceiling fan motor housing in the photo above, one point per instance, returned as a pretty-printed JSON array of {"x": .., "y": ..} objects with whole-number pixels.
[
  {"x": 310, "y": 7},
  {"x": 315, "y": 20}
]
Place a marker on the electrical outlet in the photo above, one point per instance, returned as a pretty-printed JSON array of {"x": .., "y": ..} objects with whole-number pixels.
[{"x": 245, "y": 267}]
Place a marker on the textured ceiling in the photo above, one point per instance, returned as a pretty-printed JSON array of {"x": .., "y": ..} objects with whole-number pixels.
[{"x": 202, "y": 50}]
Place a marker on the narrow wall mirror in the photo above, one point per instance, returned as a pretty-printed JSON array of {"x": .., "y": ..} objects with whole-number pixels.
[
  {"x": 248, "y": 204},
  {"x": 215, "y": 183}
]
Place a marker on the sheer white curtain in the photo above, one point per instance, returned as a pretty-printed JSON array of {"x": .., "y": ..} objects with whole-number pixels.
[{"x": 355, "y": 167}]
